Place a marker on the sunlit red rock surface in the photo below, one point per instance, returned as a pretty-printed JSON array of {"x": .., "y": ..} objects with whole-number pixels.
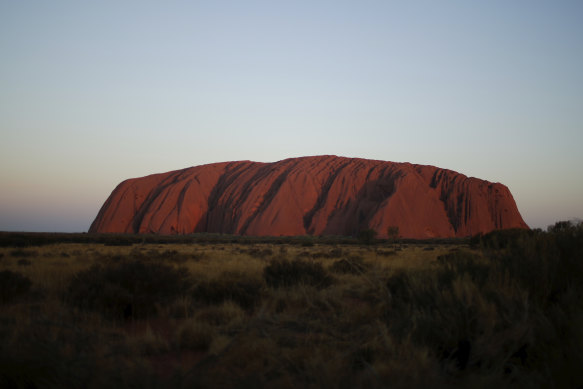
[{"x": 323, "y": 195}]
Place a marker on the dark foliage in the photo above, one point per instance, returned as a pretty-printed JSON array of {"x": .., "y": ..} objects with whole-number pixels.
[
  {"x": 56, "y": 354},
  {"x": 336, "y": 252},
  {"x": 500, "y": 239},
  {"x": 37, "y": 362},
  {"x": 172, "y": 256},
  {"x": 24, "y": 262},
  {"x": 119, "y": 242},
  {"x": 31, "y": 239},
  {"x": 367, "y": 236},
  {"x": 349, "y": 265},
  {"x": 547, "y": 265},
  {"x": 462, "y": 263},
  {"x": 127, "y": 290},
  {"x": 257, "y": 252},
  {"x": 333, "y": 253},
  {"x": 244, "y": 291},
  {"x": 386, "y": 253},
  {"x": 285, "y": 273},
  {"x": 514, "y": 310},
  {"x": 168, "y": 256},
  {"x": 13, "y": 286},
  {"x": 20, "y": 253}
]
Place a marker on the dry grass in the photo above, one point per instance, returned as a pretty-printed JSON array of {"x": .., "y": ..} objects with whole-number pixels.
[{"x": 418, "y": 316}]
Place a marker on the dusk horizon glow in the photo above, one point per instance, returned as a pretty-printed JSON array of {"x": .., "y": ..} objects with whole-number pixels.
[{"x": 93, "y": 94}]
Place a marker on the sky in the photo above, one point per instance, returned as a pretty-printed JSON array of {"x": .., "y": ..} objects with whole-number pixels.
[{"x": 92, "y": 93}]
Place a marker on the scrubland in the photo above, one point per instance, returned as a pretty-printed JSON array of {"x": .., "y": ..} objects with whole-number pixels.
[{"x": 501, "y": 310}]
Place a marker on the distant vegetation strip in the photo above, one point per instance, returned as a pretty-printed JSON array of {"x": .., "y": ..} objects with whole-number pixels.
[{"x": 31, "y": 239}]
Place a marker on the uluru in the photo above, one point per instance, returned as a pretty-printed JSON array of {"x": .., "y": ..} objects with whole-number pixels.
[{"x": 319, "y": 195}]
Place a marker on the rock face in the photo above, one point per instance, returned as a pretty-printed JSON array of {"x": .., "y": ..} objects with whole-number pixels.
[{"x": 323, "y": 195}]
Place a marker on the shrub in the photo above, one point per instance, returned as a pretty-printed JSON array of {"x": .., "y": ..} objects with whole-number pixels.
[
  {"x": 304, "y": 254},
  {"x": 399, "y": 287},
  {"x": 286, "y": 273},
  {"x": 457, "y": 263},
  {"x": 35, "y": 361},
  {"x": 336, "y": 252},
  {"x": 386, "y": 253},
  {"x": 349, "y": 265},
  {"x": 547, "y": 265},
  {"x": 115, "y": 243},
  {"x": 230, "y": 287},
  {"x": 21, "y": 253},
  {"x": 222, "y": 314},
  {"x": 194, "y": 336},
  {"x": 317, "y": 254},
  {"x": 257, "y": 252},
  {"x": 306, "y": 241},
  {"x": 500, "y": 239},
  {"x": 13, "y": 286},
  {"x": 455, "y": 320},
  {"x": 127, "y": 290},
  {"x": 393, "y": 233},
  {"x": 367, "y": 236},
  {"x": 147, "y": 343},
  {"x": 514, "y": 309},
  {"x": 172, "y": 256}
]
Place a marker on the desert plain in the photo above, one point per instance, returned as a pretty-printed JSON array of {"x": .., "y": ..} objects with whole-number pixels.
[{"x": 223, "y": 311}]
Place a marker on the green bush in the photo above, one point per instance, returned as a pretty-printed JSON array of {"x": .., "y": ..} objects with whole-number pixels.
[
  {"x": 129, "y": 290},
  {"x": 13, "y": 286},
  {"x": 285, "y": 273}
]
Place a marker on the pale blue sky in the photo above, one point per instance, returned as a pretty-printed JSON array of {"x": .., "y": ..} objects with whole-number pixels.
[{"x": 91, "y": 94}]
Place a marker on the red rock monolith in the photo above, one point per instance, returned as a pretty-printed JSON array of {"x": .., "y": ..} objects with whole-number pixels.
[{"x": 322, "y": 195}]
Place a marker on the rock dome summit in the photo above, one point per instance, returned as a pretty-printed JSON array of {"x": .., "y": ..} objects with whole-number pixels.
[{"x": 321, "y": 195}]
